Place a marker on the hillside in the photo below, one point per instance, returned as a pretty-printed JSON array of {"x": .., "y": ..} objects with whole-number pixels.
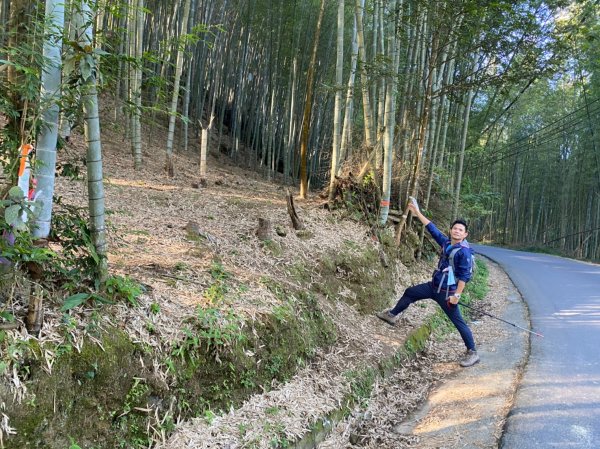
[{"x": 282, "y": 328}]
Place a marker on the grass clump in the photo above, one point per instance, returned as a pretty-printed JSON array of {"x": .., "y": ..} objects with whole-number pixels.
[{"x": 361, "y": 384}]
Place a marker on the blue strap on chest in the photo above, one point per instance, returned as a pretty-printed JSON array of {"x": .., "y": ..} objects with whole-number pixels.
[
  {"x": 447, "y": 272},
  {"x": 451, "y": 278}
]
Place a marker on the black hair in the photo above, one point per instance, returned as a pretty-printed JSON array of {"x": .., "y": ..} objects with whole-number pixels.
[{"x": 462, "y": 222}]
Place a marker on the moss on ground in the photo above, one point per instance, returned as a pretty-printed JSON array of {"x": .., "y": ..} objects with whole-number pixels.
[
  {"x": 369, "y": 282},
  {"x": 80, "y": 399}
]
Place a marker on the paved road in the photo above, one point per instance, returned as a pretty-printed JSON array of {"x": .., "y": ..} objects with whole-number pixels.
[{"x": 558, "y": 401}]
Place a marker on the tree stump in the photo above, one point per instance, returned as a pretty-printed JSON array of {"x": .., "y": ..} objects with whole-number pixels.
[{"x": 264, "y": 231}]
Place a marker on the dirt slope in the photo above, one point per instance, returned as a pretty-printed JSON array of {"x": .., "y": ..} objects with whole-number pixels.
[{"x": 150, "y": 213}]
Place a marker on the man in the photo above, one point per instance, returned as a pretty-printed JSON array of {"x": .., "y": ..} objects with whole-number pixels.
[{"x": 447, "y": 283}]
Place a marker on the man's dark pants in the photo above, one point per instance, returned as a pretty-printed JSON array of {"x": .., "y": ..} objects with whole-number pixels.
[{"x": 426, "y": 291}]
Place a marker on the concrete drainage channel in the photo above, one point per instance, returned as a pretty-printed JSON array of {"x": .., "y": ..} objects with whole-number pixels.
[{"x": 414, "y": 343}]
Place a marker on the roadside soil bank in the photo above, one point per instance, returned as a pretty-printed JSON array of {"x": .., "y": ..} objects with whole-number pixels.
[{"x": 209, "y": 282}]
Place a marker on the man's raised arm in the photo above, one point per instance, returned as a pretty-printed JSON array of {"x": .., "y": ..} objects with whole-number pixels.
[{"x": 413, "y": 206}]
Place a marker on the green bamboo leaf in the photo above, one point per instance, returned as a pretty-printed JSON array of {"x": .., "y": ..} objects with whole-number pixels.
[
  {"x": 86, "y": 68},
  {"x": 12, "y": 213},
  {"x": 20, "y": 225},
  {"x": 74, "y": 301},
  {"x": 16, "y": 194},
  {"x": 102, "y": 299},
  {"x": 7, "y": 316}
]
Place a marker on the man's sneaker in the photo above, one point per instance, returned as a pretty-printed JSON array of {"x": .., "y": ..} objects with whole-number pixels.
[
  {"x": 470, "y": 358},
  {"x": 387, "y": 317}
]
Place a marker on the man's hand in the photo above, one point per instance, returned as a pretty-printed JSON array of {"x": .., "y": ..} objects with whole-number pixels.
[
  {"x": 452, "y": 301},
  {"x": 413, "y": 206}
]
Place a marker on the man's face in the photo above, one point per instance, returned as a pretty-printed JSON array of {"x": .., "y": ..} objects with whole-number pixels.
[{"x": 458, "y": 232}]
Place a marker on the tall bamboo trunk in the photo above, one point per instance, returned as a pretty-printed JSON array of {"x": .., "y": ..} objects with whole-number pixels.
[
  {"x": 423, "y": 125},
  {"x": 380, "y": 127},
  {"x": 389, "y": 124},
  {"x": 442, "y": 122},
  {"x": 175, "y": 98},
  {"x": 436, "y": 129},
  {"x": 121, "y": 50},
  {"x": 48, "y": 135},
  {"x": 137, "y": 86},
  {"x": 308, "y": 107},
  {"x": 406, "y": 99},
  {"x": 346, "y": 142},
  {"x": 91, "y": 118},
  {"x": 364, "y": 78},
  {"x": 287, "y": 161},
  {"x": 17, "y": 34},
  {"x": 461, "y": 157},
  {"x": 65, "y": 119},
  {"x": 188, "y": 82},
  {"x": 337, "y": 112}
]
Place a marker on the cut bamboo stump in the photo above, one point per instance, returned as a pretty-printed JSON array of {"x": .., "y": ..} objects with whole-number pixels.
[
  {"x": 265, "y": 230},
  {"x": 35, "y": 312},
  {"x": 296, "y": 222}
]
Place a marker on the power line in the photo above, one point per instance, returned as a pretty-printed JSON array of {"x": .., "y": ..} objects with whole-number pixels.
[
  {"x": 587, "y": 231},
  {"x": 581, "y": 19},
  {"x": 552, "y": 125},
  {"x": 542, "y": 140},
  {"x": 542, "y": 135}
]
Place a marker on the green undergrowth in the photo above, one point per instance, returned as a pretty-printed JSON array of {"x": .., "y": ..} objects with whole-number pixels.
[
  {"x": 241, "y": 358},
  {"x": 109, "y": 395}
]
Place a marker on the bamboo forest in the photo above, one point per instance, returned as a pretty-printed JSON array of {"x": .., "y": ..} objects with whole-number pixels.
[{"x": 195, "y": 192}]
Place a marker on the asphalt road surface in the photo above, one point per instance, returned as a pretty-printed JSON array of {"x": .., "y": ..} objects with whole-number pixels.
[{"x": 558, "y": 402}]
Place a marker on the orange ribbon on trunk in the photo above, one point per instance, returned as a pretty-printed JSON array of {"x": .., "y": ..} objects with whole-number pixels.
[{"x": 25, "y": 150}]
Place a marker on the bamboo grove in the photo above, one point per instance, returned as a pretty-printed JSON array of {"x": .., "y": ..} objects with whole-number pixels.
[{"x": 489, "y": 108}]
